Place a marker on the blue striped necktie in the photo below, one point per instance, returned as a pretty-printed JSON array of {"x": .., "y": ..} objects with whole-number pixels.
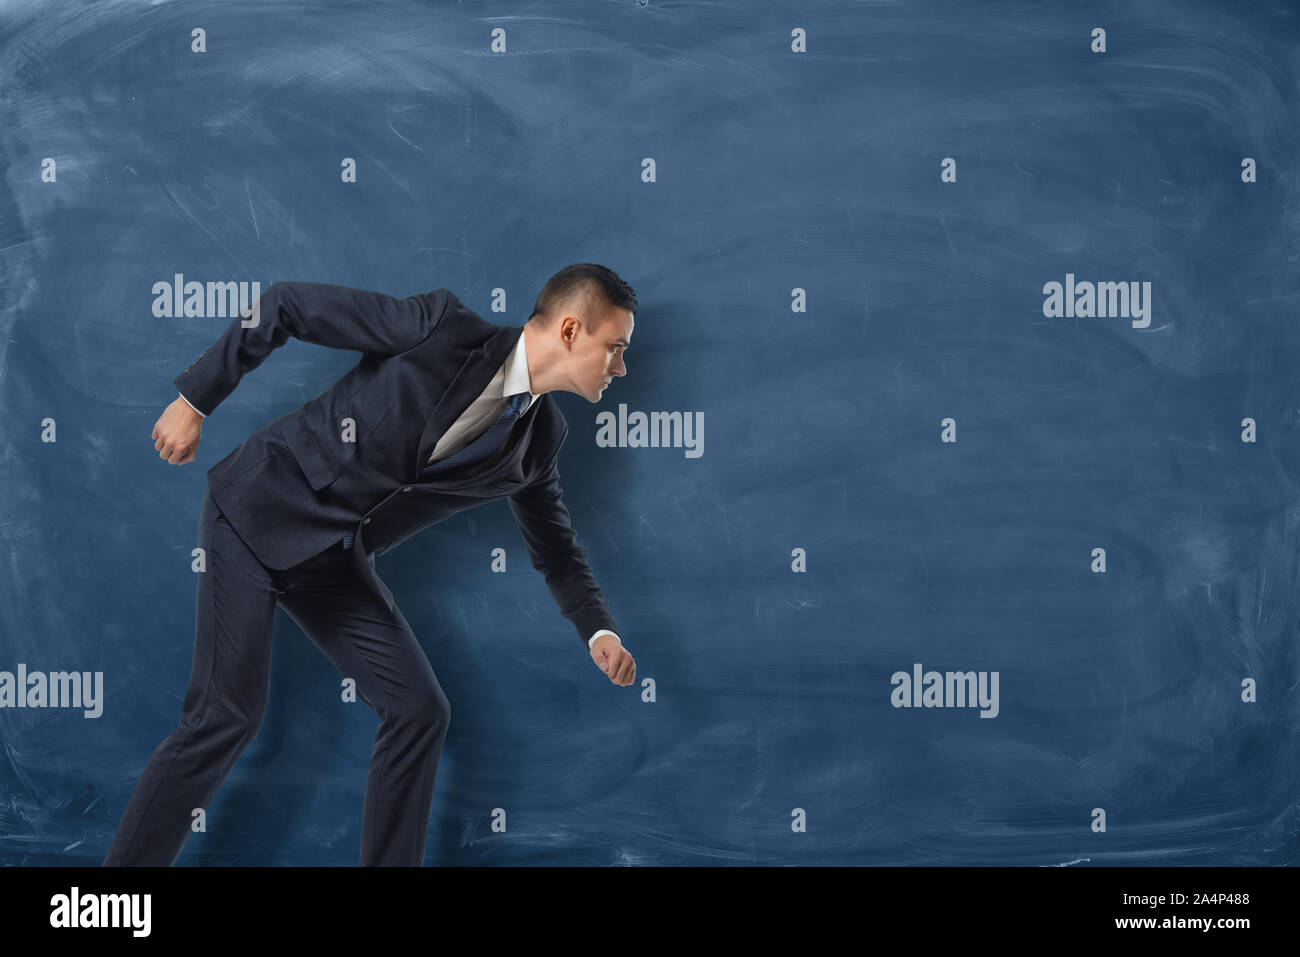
[{"x": 478, "y": 451}]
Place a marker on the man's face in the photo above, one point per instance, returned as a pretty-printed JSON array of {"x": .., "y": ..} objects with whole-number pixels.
[{"x": 598, "y": 355}]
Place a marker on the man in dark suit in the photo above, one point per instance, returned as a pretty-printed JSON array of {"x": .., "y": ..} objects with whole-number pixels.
[{"x": 443, "y": 412}]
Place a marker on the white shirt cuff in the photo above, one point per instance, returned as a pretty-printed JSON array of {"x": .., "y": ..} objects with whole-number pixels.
[
  {"x": 604, "y": 631},
  {"x": 191, "y": 405}
]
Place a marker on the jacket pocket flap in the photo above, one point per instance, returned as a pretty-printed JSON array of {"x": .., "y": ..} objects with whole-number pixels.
[{"x": 318, "y": 469}]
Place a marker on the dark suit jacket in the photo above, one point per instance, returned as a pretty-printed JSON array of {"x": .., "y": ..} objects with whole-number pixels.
[{"x": 351, "y": 458}]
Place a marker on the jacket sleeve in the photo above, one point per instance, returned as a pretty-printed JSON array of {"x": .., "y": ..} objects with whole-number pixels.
[
  {"x": 544, "y": 523},
  {"x": 319, "y": 313}
]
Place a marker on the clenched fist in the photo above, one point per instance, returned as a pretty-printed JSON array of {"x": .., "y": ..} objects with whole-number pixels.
[
  {"x": 176, "y": 433},
  {"x": 613, "y": 659}
]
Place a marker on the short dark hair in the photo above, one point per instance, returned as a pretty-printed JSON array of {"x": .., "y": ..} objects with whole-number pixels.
[{"x": 590, "y": 284}]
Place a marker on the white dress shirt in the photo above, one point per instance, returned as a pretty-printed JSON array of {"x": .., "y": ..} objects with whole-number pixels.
[{"x": 511, "y": 379}]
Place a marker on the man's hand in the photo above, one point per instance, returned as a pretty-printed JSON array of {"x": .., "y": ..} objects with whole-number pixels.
[
  {"x": 613, "y": 659},
  {"x": 176, "y": 433}
]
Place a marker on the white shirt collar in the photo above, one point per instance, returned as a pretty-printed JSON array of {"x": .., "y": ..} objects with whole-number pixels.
[{"x": 516, "y": 377}]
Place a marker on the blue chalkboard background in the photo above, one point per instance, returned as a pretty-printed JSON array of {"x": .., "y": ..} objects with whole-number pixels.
[{"x": 775, "y": 169}]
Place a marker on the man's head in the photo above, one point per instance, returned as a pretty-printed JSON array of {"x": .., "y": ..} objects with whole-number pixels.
[{"x": 579, "y": 330}]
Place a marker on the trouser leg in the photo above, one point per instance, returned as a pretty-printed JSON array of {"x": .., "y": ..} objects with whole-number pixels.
[
  {"x": 376, "y": 647},
  {"x": 224, "y": 702}
]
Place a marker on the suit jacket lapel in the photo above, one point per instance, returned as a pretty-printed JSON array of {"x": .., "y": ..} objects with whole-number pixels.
[{"x": 477, "y": 370}]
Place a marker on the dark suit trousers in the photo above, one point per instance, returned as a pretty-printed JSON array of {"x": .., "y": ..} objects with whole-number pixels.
[{"x": 227, "y": 694}]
